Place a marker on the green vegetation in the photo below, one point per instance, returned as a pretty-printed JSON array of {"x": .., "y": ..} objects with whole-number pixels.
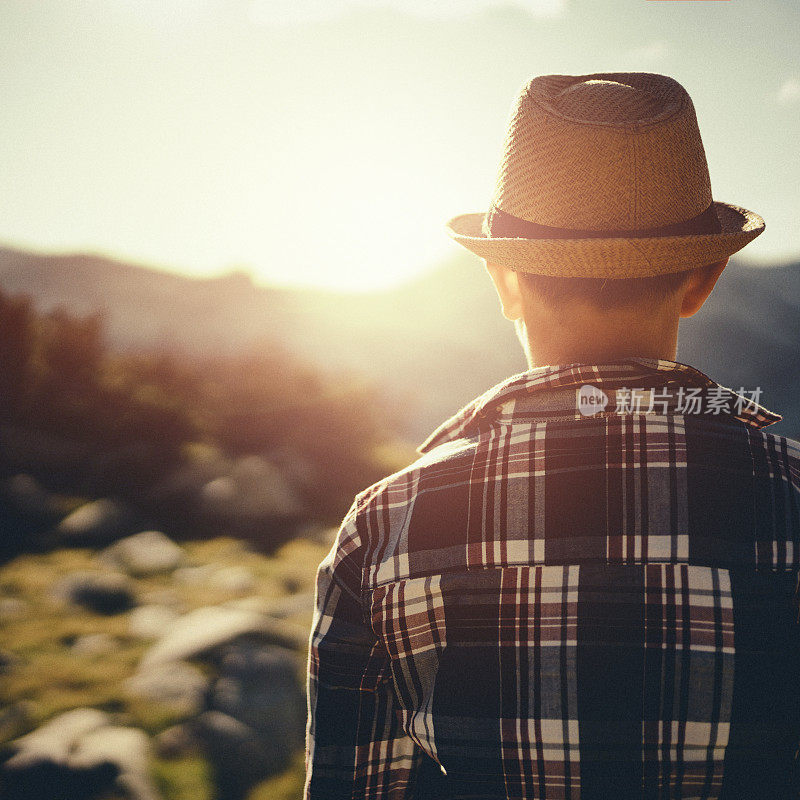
[
  {"x": 185, "y": 779},
  {"x": 286, "y": 786},
  {"x": 49, "y": 677},
  {"x": 171, "y": 439},
  {"x": 87, "y": 421},
  {"x": 56, "y": 679}
]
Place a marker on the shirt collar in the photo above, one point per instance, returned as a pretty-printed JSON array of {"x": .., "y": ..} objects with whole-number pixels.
[{"x": 552, "y": 392}]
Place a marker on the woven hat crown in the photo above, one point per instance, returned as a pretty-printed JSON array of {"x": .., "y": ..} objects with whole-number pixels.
[{"x": 603, "y": 152}]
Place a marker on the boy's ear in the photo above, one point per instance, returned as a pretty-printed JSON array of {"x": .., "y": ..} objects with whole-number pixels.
[
  {"x": 700, "y": 282},
  {"x": 506, "y": 283}
]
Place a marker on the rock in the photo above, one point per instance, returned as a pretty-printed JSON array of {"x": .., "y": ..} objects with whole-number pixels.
[
  {"x": 76, "y": 756},
  {"x": 179, "y": 685},
  {"x": 254, "y": 488},
  {"x": 177, "y": 741},
  {"x": 256, "y": 717},
  {"x": 27, "y": 496},
  {"x": 193, "y": 576},
  {"x": 293, "y": 605},
  {"x": 297, "y": 469},
  {"x": 93, "y": 644},
  {"x": 55, "y": 739},
  {"x": 137, "y": 786},
  {"x": 219, "y": 493},
  {"x": 204, "y": 463},
  {"x": 234, "y": 580},
  {"x": 240, "y": 758},
  {"x": 251, "y": 660},
  {"x": 151, "y": 621},
  {"x": 207, "y": 629},
  {"x": 253, "y": 602},
  {"x": 317, "y": 533},
  {"x": 101, "y": 592},
  {"x": 95, "y": 524},
  {"x": 29, "y": 516},
  {"x": 127, "y": 749},
  {"x": 144, "y": 554},
  {"x": 258, "y": 685}
]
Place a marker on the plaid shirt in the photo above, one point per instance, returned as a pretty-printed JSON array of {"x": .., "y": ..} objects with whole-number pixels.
[{"x": 553, "y": 605}]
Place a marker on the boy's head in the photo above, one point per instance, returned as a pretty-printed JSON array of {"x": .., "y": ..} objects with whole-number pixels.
[
  {"x": 578, "y": 319},
  {"x": 603, "y": 293},
  {"x": 603, "y": 191}
]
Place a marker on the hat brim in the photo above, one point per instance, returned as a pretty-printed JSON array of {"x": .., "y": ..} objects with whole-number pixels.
[{"x": 613, "y": 257}]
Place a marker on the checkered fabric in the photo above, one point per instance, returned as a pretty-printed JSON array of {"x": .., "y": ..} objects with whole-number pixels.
[{"x": 553, "y": 605}]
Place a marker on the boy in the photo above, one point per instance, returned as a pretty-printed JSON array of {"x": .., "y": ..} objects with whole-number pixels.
[{"x": 585, "y": 587}]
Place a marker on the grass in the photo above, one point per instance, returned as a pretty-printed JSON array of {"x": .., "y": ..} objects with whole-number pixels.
[
  {"x": 49, "y": 678},
  {"x": 183, "y": 778},
  {"x": 286, "y": 786}
]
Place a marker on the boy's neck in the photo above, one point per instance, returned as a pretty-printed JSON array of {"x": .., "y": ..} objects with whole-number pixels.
[{"x": 599, "y": 341}]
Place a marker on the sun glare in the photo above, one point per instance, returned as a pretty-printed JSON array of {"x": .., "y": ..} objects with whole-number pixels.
[{"x": 326, "y": 144}]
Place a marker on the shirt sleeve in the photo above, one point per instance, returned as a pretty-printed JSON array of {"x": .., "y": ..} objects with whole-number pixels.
[{"x": 355, "y": 745}]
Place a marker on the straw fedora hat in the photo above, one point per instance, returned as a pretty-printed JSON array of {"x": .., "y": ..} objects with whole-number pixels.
[{"x": 604, "y": 175}]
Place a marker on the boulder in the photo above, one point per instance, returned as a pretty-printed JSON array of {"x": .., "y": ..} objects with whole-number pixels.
[
  {"x": 205, "y": 630},
  {"x": 236, "y": 579},
  {"x": 55, "y": 739},
  {"x": 127, "y": 750},
  {"x": 258, "y": 685},
  {"x": 179, "y": 685},
  {"x": 255, "y": 487},
  {"x": 93, "y": 644},
  {"x": 219, "y": 494},
  {"x": 291, "y": 605},
  {"x": 318, "y": 533},
  {"x": 253, "y": 602},
  {"x": 144, "y": 554},
  {"x": 26, "y": 495},
  {"x": 203, "y": 464},
  {"x": 77, "y": 756},
  {"x": 285, "y": 607},
  {"x": 101, "y": 592},
  {"x": 95, "y": 524},
  {"x": 194, "y": 575},
  {"x": 29, "y": 516},
  {"x": 239, "y": 757},
  {"x": 177, "y": 741},
  {"x": 151, "y": 621}
]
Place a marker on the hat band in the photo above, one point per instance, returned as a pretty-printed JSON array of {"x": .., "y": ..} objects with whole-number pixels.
[{"x": 500, "y": 224}]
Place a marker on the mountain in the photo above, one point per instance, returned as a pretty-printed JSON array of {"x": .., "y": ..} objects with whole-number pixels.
[{"x": 430, "y": 345}]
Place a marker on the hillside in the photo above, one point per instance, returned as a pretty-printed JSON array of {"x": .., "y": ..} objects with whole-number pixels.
[{"x": 431, "y": 344}]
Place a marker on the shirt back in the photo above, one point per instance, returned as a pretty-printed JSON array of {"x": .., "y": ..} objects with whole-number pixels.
[{"x": 562, "y": 602}]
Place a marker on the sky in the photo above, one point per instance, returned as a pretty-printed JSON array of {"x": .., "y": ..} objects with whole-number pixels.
[{"x": 326, "y": 142}]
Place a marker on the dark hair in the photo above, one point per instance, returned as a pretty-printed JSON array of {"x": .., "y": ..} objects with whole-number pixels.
[{"x": 605, "y": 293}]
